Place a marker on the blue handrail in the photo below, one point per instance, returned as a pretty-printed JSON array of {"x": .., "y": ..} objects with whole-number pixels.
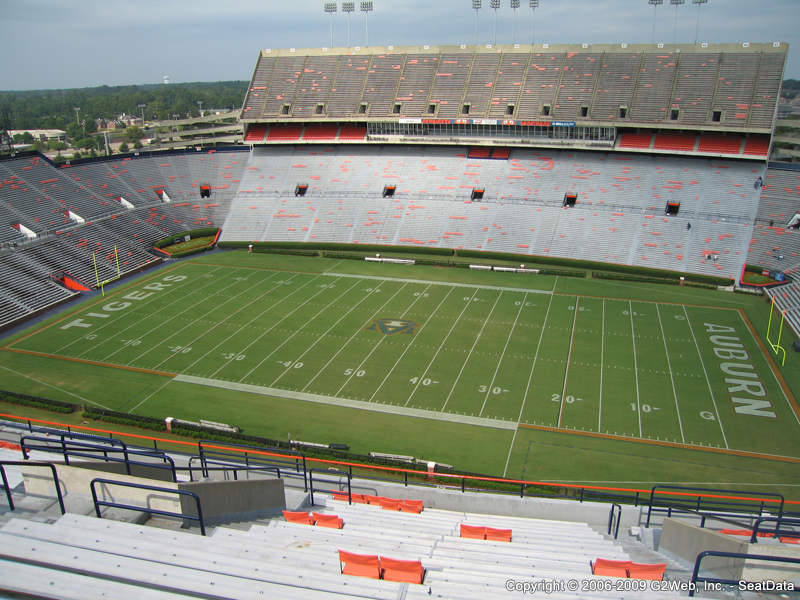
[
  {"x": 27, "y": 463},
  {"x": 683, "y": 504},
  {"x": 736, "y": 582},
  {"x": 152, "y": 511},
  {"x": 322, "y": 480},
  {"x": 777, "y": 521},
  {"x": 618, "y": 508},
  {"x": 254, "y": 456}
]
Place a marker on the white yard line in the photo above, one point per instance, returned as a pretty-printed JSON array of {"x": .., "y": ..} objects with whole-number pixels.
[
  {"x": 250, "y": 322},
  {"x": 55, "y": 387},
  {"x": 276, "y": 323},
  {"x": 789, "y": 404},
  {"x": 471, "y": 350},
  {"x": 510, "y": 448},
  {"x": 708, "y": 380},
  {"x": 278, "y": 347},
  {"x": 350, "y": 339},
  {"x": 602, "y": 364},
  {"x": 446, "y": 283},
  {"x": 635, "y": 367},
  {"x": 533, "y": 364},
  {"x": 153, "y": 393},
  {"x": 375, "y": 347},
  {"x": 500, "y": 360},
  {"x": 671, "y": 376},
  {"x": 160, "y": 325},
  {"x": 113, "y": 319},
  {"x": 569, "y": 358},
  {"x": 431, "y": 361}
]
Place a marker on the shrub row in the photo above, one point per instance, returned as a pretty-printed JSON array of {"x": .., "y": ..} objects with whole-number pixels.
[
  {"x": 36, "y": 402},
  {"x": 342, "y": 247},
  {"x": 192, "y": 233}
]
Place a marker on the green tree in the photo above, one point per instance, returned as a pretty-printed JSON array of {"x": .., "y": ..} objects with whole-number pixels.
[
  {"x": 123, "y": 148},
  {"x": 23, "y": 138},
  {"x": 134, "y": 134},
  {"x": 137, "y": 144}
]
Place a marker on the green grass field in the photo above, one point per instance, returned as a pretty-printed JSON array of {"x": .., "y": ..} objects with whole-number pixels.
[{"x": 491, "y": 372}]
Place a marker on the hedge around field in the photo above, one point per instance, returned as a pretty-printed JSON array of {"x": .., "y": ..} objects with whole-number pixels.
[
  {"x": 341, "y": 247},
  {"x": 37, "y": 402},
  {"x": 192, "y": 233}
]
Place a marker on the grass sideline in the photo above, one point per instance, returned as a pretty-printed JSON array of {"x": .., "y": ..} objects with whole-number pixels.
[{"x": 468, "y": 447}]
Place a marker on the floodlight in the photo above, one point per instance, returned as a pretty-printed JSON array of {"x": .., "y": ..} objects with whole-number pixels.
[
  {"x": 476, "y": 4},
  {"x": 366, "y": 8},
  {"x": 330, "y": 8},
  {"x": 534, "y": 4},
  {"x": 655, "y": 4},
  {"x": 514, "y": 7},
  {"x": 348, "y": 7},
  {"x": 677, "y": 2},
  {"x": 495, "y": 4},
  {"x": 515, "y": 4},
  {"x": 697, "y": 23}
]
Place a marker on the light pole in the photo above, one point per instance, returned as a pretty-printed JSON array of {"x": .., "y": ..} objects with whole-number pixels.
[
  {"x": 676, "y": 4},
  {"x": 141, "y": 107},
  {"x": 534, "y": 4},
  {"x": 348, "y": 8},
  {"x": 495, "y": 4},
  {"x": 697, "y": 23},
  {"x": 330, "y": 8},
  {"x": 366, "y": 8},
  {"x": 200, "y": 105},
  {"x": 514, "y": 7},
  {"x": 656, "y": 4},
  {"x": 476, "y": 6},
  {"x": 77, "y": 110}
]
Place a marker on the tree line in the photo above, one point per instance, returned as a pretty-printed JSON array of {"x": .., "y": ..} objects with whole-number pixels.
[{"x": 56, "y": 109}]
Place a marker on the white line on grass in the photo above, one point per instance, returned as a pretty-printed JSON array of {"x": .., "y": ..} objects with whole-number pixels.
[
  {"x": 150, "y": 395},
  {"x": 708, "y": 380},
  {"x": 213, "y": 327},
  {"x": 510, "y": 448},
  {"x": 122, "y": 317},
  {"x": 375, "y": 347},
  {"x": 602, "y": 363},
  {"x": 447, "y": 283},
  {"x": 566, "y": 368},
  {"x": 55, "y": 387},
  {"x": 671, "y": 376},
  {"x": 500, "y": 360},
  {"x": 533, "y": 364},
  {"x": 276, "y": 323},
  {"x": 430, "y": 363},
  {"x": 635, "y": 368},
  {"x": 471, "y": 350},
  {"x": 250, "y": 322},
  {"x": 303, "y": 326},
  {"x": 791, "y": 410},
  {"x": 160, "y": 325},
  {"x": 350, "y": 339}
]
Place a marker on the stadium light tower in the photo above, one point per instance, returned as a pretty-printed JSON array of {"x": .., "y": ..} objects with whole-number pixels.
[
  {"x": 77, "y": 110},
  {"x": 330, "y": 8},
  {"x": 534, "y": 4},
  {"x": 676, "y": 4},
  {"x": 656, "y": 4},
  {"x": 366, "y": 8},
  {"x": 697, "y": 23},
  {"x": 141, "y": 107},
  {"x": 495, "y": 4},
  {"x": 476, "y": 6},
  {"x": 348, "y": 8},
  {"x": 514, "y": 7}
]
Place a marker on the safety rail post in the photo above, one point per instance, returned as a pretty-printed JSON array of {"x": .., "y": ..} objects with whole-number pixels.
[
  {"x": 777, "y": 521},
  {"x": 330, "y": 472},
  {"x": 735, "y": 582},
  {"x": 152, "y": 511},
  {"x": 27, "y": 463},
  {"x": 611, "y": 518}
]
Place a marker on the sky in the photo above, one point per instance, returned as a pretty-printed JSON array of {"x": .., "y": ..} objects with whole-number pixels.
[{"x": 68, "y": 44}]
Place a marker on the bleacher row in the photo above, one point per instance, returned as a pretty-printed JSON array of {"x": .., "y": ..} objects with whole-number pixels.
[
  {"x": 685, "y": 84},
  {"x": 309, "y": 132},
  {"x": 288, "y": 560},
  {"x": 774, "y": 245},
  {"x": 705, "y": 143},
  {"x": 619, "y": 216}
]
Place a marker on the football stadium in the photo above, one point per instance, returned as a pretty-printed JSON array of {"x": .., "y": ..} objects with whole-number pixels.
[{"x": 468, "y": 321}]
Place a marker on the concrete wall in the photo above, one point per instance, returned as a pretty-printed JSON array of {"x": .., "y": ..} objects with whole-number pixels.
[
  {"x": 761, "y": 570},
  {"x": 242, "y": 500}
]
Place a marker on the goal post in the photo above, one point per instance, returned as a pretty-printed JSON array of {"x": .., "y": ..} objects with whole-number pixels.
[{"x": 776, "y": 345}]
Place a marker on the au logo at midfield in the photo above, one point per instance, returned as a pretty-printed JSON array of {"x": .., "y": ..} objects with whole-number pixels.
[{"x": 392, "y": 326}]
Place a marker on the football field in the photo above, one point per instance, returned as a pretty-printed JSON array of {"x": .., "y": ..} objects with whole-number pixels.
[{"x": 506, "y": 352}]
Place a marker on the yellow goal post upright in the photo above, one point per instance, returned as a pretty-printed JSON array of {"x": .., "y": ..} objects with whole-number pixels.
[
  {"x": 776, "y": 345},
  {"x": 101, "y": 284}
]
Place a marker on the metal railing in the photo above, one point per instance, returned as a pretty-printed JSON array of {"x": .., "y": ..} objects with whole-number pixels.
[
  {"x": 711, "y": 502},
  {"x": 338, "y": 482},
  {"x": 734, "y": 582},
  {"x": 226, "y": 467},
  {"x": 254, "y": 455},
  {"x": 778, "y": 521},
  {"x": 27, "y": 463},
  {"x": 611, "y": 519},
  {"x": 147, "y": 509}
]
